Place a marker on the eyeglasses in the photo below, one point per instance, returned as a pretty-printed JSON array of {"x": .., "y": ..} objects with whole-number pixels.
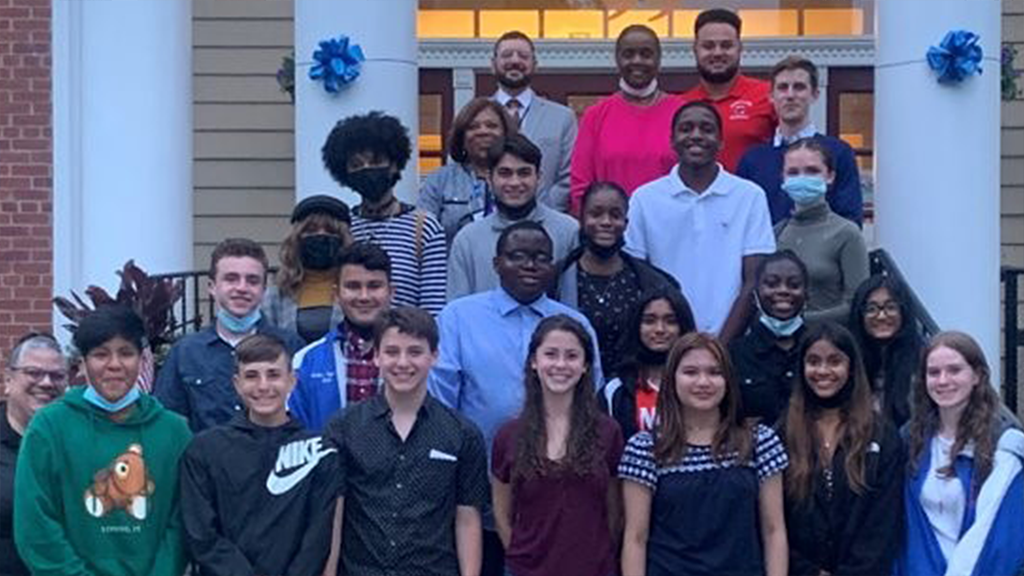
[
  {"x": 37, "y": 374},
  {"x": 520, "y": 257},
  {"x": 874, "y": 310}
]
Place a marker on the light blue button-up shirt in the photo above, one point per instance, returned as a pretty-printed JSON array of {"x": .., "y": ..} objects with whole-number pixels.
[{"x": 484, "y": 341}]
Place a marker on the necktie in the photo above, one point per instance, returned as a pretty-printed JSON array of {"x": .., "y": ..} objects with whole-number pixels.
[{"x": 514, "y": 110}]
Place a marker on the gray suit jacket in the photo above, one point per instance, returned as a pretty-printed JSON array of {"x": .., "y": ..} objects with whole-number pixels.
[{"x": 552, "y": 127}]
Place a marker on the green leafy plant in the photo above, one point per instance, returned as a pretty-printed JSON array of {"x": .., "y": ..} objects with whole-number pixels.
[
  {"x": 286, "y": 75},
  {"x": 1009, "y": 75}
]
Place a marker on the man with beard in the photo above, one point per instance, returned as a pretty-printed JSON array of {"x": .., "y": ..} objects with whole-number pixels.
[
  {"x": 514, "y": 165},
  {"x": 742, "y": 102},
  {"x": 551, "y": 126},
  {"x": 794, "y": 91},
  {"x": 367, "y": 153},
  {"x": 705, "y": 226},
  {"x": 196, "y": 380}
]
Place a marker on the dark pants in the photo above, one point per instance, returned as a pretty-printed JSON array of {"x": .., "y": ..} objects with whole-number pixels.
[{"x": 494, "y": 555}]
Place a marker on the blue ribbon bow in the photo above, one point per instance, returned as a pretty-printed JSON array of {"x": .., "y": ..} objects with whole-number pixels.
[
  {"x": 956, "y": 57},
  {"x": 336, "y": 63}
]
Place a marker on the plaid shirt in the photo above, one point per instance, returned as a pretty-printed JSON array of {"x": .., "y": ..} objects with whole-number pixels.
[{"x": 361, "y": 373}]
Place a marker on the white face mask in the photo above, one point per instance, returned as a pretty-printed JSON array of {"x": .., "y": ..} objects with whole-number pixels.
[{"x": 645, "y": 92}]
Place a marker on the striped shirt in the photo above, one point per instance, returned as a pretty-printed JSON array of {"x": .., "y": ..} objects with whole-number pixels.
[{"x": 419, "y": 280}]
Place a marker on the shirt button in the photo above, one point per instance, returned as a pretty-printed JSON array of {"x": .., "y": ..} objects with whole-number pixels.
[
  {"x": 789, "y": 373},
  {"x": 399, "y": 485},
  {"x": 393, "y": 544},
  {"x": 401, "y": 457}
]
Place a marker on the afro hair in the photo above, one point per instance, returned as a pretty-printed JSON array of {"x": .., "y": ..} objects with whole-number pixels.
[{"x": 378, "y": 133}]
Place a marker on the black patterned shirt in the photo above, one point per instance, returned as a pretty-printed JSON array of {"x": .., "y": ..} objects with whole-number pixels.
[
  {"x": 607, "y": 301},
  {"x": 401, "y": 496}
]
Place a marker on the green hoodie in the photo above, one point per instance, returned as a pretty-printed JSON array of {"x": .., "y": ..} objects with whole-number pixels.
[{"x": 99, "y": 497}]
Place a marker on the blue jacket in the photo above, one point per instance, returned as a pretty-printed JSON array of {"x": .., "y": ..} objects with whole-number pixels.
[
  {"x": 990, "y": 539},
  {"x": 763, "y": 165},
  {"x": 321, "y": 378}
]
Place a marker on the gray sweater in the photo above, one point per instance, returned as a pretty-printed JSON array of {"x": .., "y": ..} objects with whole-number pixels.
[
  {"x": 471, "y": 262},
  {"x": 835, "y": 254}
]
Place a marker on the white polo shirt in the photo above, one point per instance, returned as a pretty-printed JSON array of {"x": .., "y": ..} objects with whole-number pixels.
[{"x": 701, "y": 239}]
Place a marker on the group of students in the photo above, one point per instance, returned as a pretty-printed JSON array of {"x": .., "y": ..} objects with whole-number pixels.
[{"x": 485, "y": 384}]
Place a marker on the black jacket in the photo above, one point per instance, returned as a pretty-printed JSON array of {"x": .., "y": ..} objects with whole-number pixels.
[
  {"x": 10, "y": 441},
  {"x": 258, "y": 501},
  {"x": 765, "y": 372},
  {"x": 618, "y": 399},
  {"x": 851, "y": 534}
]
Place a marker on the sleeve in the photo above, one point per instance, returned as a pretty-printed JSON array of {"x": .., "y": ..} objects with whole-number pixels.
[
  {"x": 598, "y": 371},
  {"x": 854, "y": 269},
  {"x": 41, "y": 537},
  {"x": 298, "y": 400},
  {"x": 636, "y": 237},
  {"x": 745, "y": 169},
  {"x": 431, "y": 197},
  {"x": 445, "y": 380},
  {"x": 169, "y": 389},
  {"x": 759, "y": 237},
  {"x": 171, "y": 556},
  {"x": 501, "y": 462},
  {"x": 460, "y": 267},
  {"x": 213, "y": 552},
  {"x": 334, "y": 437},
  {"x": 582, "y": 170},
  {"x": 560, "y": 184},
  {"x": 846, "y": 198},
  {"x": 770, "y": 456},
  {"x": 433, "y": 269},
  {"x": 637, "y": 463},
  {"x": 315, "y": 546},
  {"x": 473, "y": 487},
  {"x": 875, "y": 540}
]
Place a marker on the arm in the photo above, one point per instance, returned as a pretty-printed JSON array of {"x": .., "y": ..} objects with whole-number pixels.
[
  {"x": 41, "y": 536},
  {"x": 297, "y": 400},
  {"x": 469, "y": 539},
  {"x": 846, "y": 198},
  {"x": 773, "y": 527},
  {"x": 333, "y": 557},
  {"x": 636, "y": 228},
  {"x": 322, "y": 507},
  {"x": 743, "y": 306},
  {"x": 874, "y": 537},
  {"x": 445, "y": 380},
  {"x": 501, "y": 497},
  {"x": 433, "y": 269},
  {"x": 582, "y": 169},
  {"x": 615, "y": 511},
  {"x": 168, "y": 388},
  {"x": 460, "y": 260},
  {"x": 636, "y": 500},
  {"x": 216, "y": 554},
  {"x": 561, "y": 182}
]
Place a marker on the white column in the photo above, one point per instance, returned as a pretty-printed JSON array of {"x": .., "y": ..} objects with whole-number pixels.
[
  {"x": 389, "y": 82},
  {"x": 122, "y": 137},
  {"x": 937, "y": 164}
]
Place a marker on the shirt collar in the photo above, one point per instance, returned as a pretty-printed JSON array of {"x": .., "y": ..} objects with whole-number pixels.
[
  {"x": 805, "y": 132},
  {"x": 525, "y": 98},
  {"x": 718, "y": 185},
  {"x": 506, "y": 304},
  {"x": 380, "y": 408}
]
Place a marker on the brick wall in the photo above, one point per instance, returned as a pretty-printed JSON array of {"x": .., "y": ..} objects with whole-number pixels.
[{"x": 26, "y": 161}]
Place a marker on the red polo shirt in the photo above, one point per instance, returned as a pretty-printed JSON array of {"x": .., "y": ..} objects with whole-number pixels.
[{"x": 747, "y": 114}]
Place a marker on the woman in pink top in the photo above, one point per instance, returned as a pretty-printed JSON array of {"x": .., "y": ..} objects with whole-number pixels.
[{"x": 625, "y": 138}]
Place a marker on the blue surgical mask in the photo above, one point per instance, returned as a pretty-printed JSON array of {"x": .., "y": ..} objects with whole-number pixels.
[
  {"x": 237, "y": 325},
  {"x": 782, "y": 328},
  {"x": 93, "y": 397},
  {"x": 804, "y": 189}
]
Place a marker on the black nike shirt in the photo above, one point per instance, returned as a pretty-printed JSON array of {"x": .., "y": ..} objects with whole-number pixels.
[{"x": 258, "y": 500}]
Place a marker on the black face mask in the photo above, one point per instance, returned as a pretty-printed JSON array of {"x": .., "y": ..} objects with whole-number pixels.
[
  {"x": 372, "y": 183},
  {"x": 837, "y": 400},
  {"x": 649, "y": 357},
  {"x": 319, "y": 252},
  {"x": 602, "y": 252},
  {"x": 516, "y": 213}
]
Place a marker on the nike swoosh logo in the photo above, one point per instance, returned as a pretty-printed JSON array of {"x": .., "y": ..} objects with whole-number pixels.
[{"x": 278, "y": 485}]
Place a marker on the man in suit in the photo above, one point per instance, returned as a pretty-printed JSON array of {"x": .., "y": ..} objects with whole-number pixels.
[{"x": 551, "y": 126}]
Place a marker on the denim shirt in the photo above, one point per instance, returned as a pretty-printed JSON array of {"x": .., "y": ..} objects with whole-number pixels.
[{"x": 196, "y": 378}]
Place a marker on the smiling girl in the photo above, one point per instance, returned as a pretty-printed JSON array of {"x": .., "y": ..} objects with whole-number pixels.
[
  {"x": 703, "y": 492},
  {"x": 553, "y": 483},
  {"x": 964, "y": 499}
]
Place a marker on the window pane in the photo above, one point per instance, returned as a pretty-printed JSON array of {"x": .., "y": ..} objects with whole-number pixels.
[
  {"x": 656, "y": 20},
  {"x": 430, "y": 140},
  {"x": 494, "y": 23},
  {"x": 833, "y": 22},
  {"x": 580, "y": 24},
  {"x": 446, "y": 24},
  {"x": 760, "y": 23}
]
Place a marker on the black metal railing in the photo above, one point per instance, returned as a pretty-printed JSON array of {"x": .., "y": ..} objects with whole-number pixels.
[
  {"x": 883, "y": 263},
  {"x": 188, "y": 311},
  {"x": 1013, "y": 336}
]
